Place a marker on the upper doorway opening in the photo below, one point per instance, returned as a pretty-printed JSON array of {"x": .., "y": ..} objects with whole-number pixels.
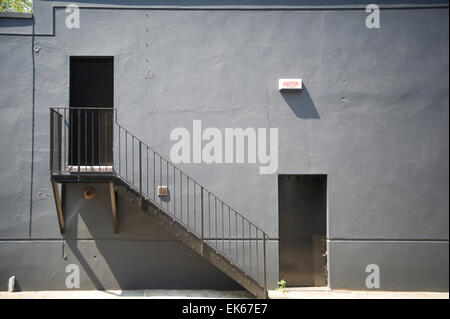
[{"x": 91, "y": 112}]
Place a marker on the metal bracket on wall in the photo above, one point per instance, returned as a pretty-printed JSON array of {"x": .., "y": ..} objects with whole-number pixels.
[
  {"x": 114, "y": 207},
  {"x": 58, "y": 205}
]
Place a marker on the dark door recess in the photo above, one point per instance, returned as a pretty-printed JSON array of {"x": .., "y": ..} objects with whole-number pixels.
[
  {"x": 90, "y": 129},
  {"x": 302, "y": 229}
]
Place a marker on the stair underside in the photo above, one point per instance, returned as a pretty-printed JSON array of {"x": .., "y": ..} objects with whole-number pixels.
[{"x": 191, "y": 240}]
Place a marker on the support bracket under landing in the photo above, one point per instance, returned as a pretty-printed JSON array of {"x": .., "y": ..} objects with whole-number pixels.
[
  {"x": 58, "y": 204},
  {"x": 114, "y": 207}
]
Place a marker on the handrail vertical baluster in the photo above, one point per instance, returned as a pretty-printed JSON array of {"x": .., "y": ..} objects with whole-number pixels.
[
  {"x": 126, "y": 155},
  {"x": 265, "y": 271},
  {"x": 181, "y": 197},
  {"x": 78, "y": 142},
  {"x": 146, "y": 171},
  {"x": 65, "y": 156},
  {"x": 187, "y": 198},
  {"x": 160, "y": 177},
  {"x": 250, "y": 245},
  {"x": 52, "y": 148},
  {"x": 154, "y": 175},
  {"x": 243, "y": 243},
  {"x": 215, "y": 216},
  {"x": 140, "y": 168},
  {"x": 106, "y": 139},
  {"x": 223, "y": 235},
  {"x": 71, "y": 139},
  {"x": 229, "y": 231},
  {"x": 132, "y": 159},
  {"x": 92, "y": 157},
  {"x": 174, "y": 192},
  {"x": 85, "y": 137},
  {"x": 236, "y": 235},
  {"x": 257, "y": 255},
  {"x": 209, "y": 215},
  {"x": 167, "y": 181},
  {"x": 201, "y": 209},
  {"x": 120, "y": 172},
  {"x": 195, "y": 210}
]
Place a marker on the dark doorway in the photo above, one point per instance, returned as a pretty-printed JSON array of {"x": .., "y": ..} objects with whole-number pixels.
[
  {"x": 91, "y": 111},
  {"x": 302, "y": 229}
]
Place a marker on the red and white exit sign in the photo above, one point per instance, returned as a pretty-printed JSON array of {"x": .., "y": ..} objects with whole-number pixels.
[{"x": 289, "y": 84}]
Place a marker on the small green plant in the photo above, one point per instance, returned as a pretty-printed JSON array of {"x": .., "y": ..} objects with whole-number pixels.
[{"x": 281, "y": 285}]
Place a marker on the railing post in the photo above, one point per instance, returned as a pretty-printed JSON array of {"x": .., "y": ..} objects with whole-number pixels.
[
  {"x": 51, "y": 141},
  {"x": 59, "y": 142},
  {"x": 140, "y": 168},
  {"x": 201, "y": 210},
  {"x": 112, "y": 139},
  {"x": 265, "y": 272},
  {"x": 79, "y": 141}
]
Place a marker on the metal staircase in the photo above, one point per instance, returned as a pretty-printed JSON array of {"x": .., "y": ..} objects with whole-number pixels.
[{"x": 89, "y": 145}]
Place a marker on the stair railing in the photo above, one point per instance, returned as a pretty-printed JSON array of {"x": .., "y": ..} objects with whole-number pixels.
[{"x": 86, "y": 134}]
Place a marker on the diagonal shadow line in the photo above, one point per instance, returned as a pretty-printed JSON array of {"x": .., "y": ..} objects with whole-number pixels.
[{"x": 73, "y": 245}]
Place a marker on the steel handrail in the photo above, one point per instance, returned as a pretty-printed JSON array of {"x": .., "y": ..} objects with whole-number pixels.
[{"x": 62, "y": 112}]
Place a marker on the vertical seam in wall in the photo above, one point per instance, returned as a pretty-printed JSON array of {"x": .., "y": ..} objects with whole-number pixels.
[{"x": 32, "y": 130}]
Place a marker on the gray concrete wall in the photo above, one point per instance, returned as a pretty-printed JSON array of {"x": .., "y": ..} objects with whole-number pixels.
[{"x": 373, "y": 116}]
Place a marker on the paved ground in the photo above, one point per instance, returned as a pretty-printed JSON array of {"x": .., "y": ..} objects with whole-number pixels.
[
  {"x": 289, "y": 293},
  {"x": 325, "y": 293},
  {"x": 113, "y": 294}
]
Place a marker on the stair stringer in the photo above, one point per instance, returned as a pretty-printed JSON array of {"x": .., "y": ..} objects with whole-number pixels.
[{"x": 190, "y": 239}]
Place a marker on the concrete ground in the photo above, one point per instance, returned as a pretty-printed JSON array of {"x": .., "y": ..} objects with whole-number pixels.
[
  {"x": 326, "y": 293},
  {"x": 128, "y": 294},
  {"x": 288, "y": 293}
]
